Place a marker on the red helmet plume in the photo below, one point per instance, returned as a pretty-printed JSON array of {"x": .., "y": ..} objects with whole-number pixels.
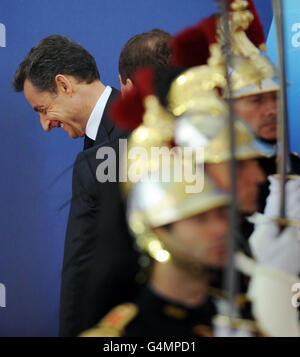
[{"x": 191, "y": 46}]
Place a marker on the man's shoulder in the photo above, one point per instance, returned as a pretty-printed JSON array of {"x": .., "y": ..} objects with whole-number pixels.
[
  {"x": 115, "y": 144},
  {"x": 295, "y": 161},
  {"x": 114, "y": 95},
  {"x": 114, "y": 323},
  {"x": 108, "y": 131},
  {"x": 269, "y": 164},
  {"x": 115, "y": 91}
]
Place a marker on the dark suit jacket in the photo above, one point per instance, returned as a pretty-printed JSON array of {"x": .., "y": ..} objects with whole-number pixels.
[{"x": 100, "y": 261}]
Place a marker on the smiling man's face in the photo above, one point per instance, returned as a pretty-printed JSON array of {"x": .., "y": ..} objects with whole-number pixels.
[{"x": 55, "y": 110}]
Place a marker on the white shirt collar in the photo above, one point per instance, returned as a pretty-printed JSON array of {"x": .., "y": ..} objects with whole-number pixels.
[{"x": 93, "y": 123}]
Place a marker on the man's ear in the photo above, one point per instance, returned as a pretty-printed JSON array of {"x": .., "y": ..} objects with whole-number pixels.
[
  {"x": 129, "y": 83},
  {"x": 64, "y": 85},
  {"x": 127, "y": 86}
]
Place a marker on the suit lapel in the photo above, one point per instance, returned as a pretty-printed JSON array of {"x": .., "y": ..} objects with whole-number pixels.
[{"x": 106, "y": 124}]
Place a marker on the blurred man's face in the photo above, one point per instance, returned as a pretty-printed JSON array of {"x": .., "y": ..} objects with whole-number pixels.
[
  {"x": 55, "y": 109},
  {"x": 203, "y": 238},
  {"x": 260, "y": 111},
  {"x": 249, "y": 177}
]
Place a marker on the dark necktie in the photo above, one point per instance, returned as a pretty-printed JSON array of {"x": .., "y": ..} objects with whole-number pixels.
[{"x": 88, "y": 142}]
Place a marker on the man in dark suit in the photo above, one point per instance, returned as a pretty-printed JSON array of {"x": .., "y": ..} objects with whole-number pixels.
[
  {"x": 67, "y": 92},
  {"x": 100, "y": 262},
  {"x": 147, "y": 49}
]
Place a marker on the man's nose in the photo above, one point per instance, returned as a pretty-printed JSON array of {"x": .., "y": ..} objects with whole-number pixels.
[
  {"x": 271, "y": 107},
  {"x": 45, "y": 123}
]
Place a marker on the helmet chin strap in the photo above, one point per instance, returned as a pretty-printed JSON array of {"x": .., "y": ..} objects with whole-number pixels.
[{"x": 272, "y": 142}]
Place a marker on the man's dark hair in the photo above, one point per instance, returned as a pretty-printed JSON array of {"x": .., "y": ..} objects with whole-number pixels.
[
  {"x": 163, "y": 81},
  {"x": 148, "y": 49},
  {"x": 55, "y": 55}
]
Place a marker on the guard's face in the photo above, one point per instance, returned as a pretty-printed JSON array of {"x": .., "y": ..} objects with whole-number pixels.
[
  {"x": 249, "y": 177},
  {"x": 260, "y": 112},
  {"x": 55, "y": 109},
  {"x": 203, "y": 238}
]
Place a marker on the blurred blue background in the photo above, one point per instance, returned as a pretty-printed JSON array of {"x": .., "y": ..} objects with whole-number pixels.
[
  {"x": 292, "y": 56},
  {"x": 36, "y": 167}
]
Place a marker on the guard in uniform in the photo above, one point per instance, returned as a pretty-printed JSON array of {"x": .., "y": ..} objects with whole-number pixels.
[
  {"x": 159, "y": 309},
  {"x": 255, "y": 101},
  {"x": 253, "y": 77},
  {"x": 185, "y": 234}
]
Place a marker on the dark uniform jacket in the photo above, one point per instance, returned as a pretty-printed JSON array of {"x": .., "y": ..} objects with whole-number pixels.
[
  {"x": 269, "y": 166},
  {"x": 100, "y": 262},
  {"x": 152, "y": 315}
]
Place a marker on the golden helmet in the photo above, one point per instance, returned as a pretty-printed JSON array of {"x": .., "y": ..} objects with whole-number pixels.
[
  {"x": 250, "y": 72},
  {"x": 202, "y": 118},
  {"x": 156, "y": 202}
]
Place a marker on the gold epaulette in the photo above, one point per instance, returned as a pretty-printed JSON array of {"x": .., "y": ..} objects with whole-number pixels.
[{"x": 114, "y": 323}]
